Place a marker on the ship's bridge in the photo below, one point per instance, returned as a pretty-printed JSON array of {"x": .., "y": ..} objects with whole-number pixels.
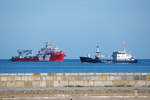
[{"x": 121, "y": 55}]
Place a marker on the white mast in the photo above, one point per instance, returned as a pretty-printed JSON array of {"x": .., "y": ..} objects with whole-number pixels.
[
  {"x": 124, "y": 46},
  {"x": 97, "y": 52},
  {"x": 88, "y": 55},
  {"x": 48, "y": 44}
]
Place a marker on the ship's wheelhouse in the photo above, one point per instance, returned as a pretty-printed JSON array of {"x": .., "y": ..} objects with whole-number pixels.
[{"x": 121, "y": 55}]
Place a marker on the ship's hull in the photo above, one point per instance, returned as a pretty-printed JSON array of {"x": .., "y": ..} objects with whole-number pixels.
[
  {"x": 59, "y": 56},
  {"x": 125, "y": 61},
  {"x": 89, "y": 60}
]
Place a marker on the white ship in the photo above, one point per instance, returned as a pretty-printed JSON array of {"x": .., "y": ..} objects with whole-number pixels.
[{"x": 123, "y": 57}]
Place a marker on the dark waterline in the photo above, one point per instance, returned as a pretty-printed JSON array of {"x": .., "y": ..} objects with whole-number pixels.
[{"x": 73, "y": 66}]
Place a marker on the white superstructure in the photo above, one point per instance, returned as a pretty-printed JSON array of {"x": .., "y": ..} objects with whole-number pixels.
[
  {"x": 97, "y": 54},
  {"x": 122, "y": 56}
]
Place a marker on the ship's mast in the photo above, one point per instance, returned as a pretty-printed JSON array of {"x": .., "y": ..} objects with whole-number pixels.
[
  {"x": 88, "y": 55},
  {"x": 124, "y": 46},
  {"x": 48, "y": 44},
  {"x": 97, "y": 55}
]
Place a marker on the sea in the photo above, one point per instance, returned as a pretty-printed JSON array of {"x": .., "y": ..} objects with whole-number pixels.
[{"x": 73, "y": 66}]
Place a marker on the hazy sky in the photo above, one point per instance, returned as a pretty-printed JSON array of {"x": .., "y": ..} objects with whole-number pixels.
[{"x": 75, "y": 26}]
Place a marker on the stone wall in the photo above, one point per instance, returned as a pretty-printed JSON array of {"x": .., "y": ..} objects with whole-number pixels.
[{"x": 48, "y": 80}]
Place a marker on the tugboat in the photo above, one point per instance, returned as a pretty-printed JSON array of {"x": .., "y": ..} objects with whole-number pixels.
[
  {"x": 123, "y": 57},
  {"x": 88, "y": 59},
  {"x": 47, "y": 53}
]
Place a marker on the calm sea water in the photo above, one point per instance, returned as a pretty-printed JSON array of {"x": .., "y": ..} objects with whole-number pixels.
[{"x": 72, "y": 66}]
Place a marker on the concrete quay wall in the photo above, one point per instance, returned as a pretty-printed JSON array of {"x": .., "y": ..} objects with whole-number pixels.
[{"x": 49, "y": 80}]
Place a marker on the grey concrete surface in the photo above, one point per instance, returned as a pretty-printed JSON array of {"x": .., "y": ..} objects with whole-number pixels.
[
  {"x": 77, "y": 98},
  {"x": 76, "y": 88}
]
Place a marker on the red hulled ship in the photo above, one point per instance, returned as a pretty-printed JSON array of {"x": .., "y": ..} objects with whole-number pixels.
[{"x": 48, "y": 53}]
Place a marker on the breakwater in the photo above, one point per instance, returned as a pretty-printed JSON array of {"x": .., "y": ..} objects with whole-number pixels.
[{"x": 50, "y": 80}]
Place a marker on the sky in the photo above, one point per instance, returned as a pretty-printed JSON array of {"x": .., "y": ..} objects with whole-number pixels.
[{"x": 75, "y": 26}]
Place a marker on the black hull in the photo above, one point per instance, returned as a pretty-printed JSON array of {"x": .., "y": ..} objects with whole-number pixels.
[{"x": 89, "y": 60}]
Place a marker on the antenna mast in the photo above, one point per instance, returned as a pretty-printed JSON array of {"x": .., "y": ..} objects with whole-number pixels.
[{"x": 124, "y": 46}]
